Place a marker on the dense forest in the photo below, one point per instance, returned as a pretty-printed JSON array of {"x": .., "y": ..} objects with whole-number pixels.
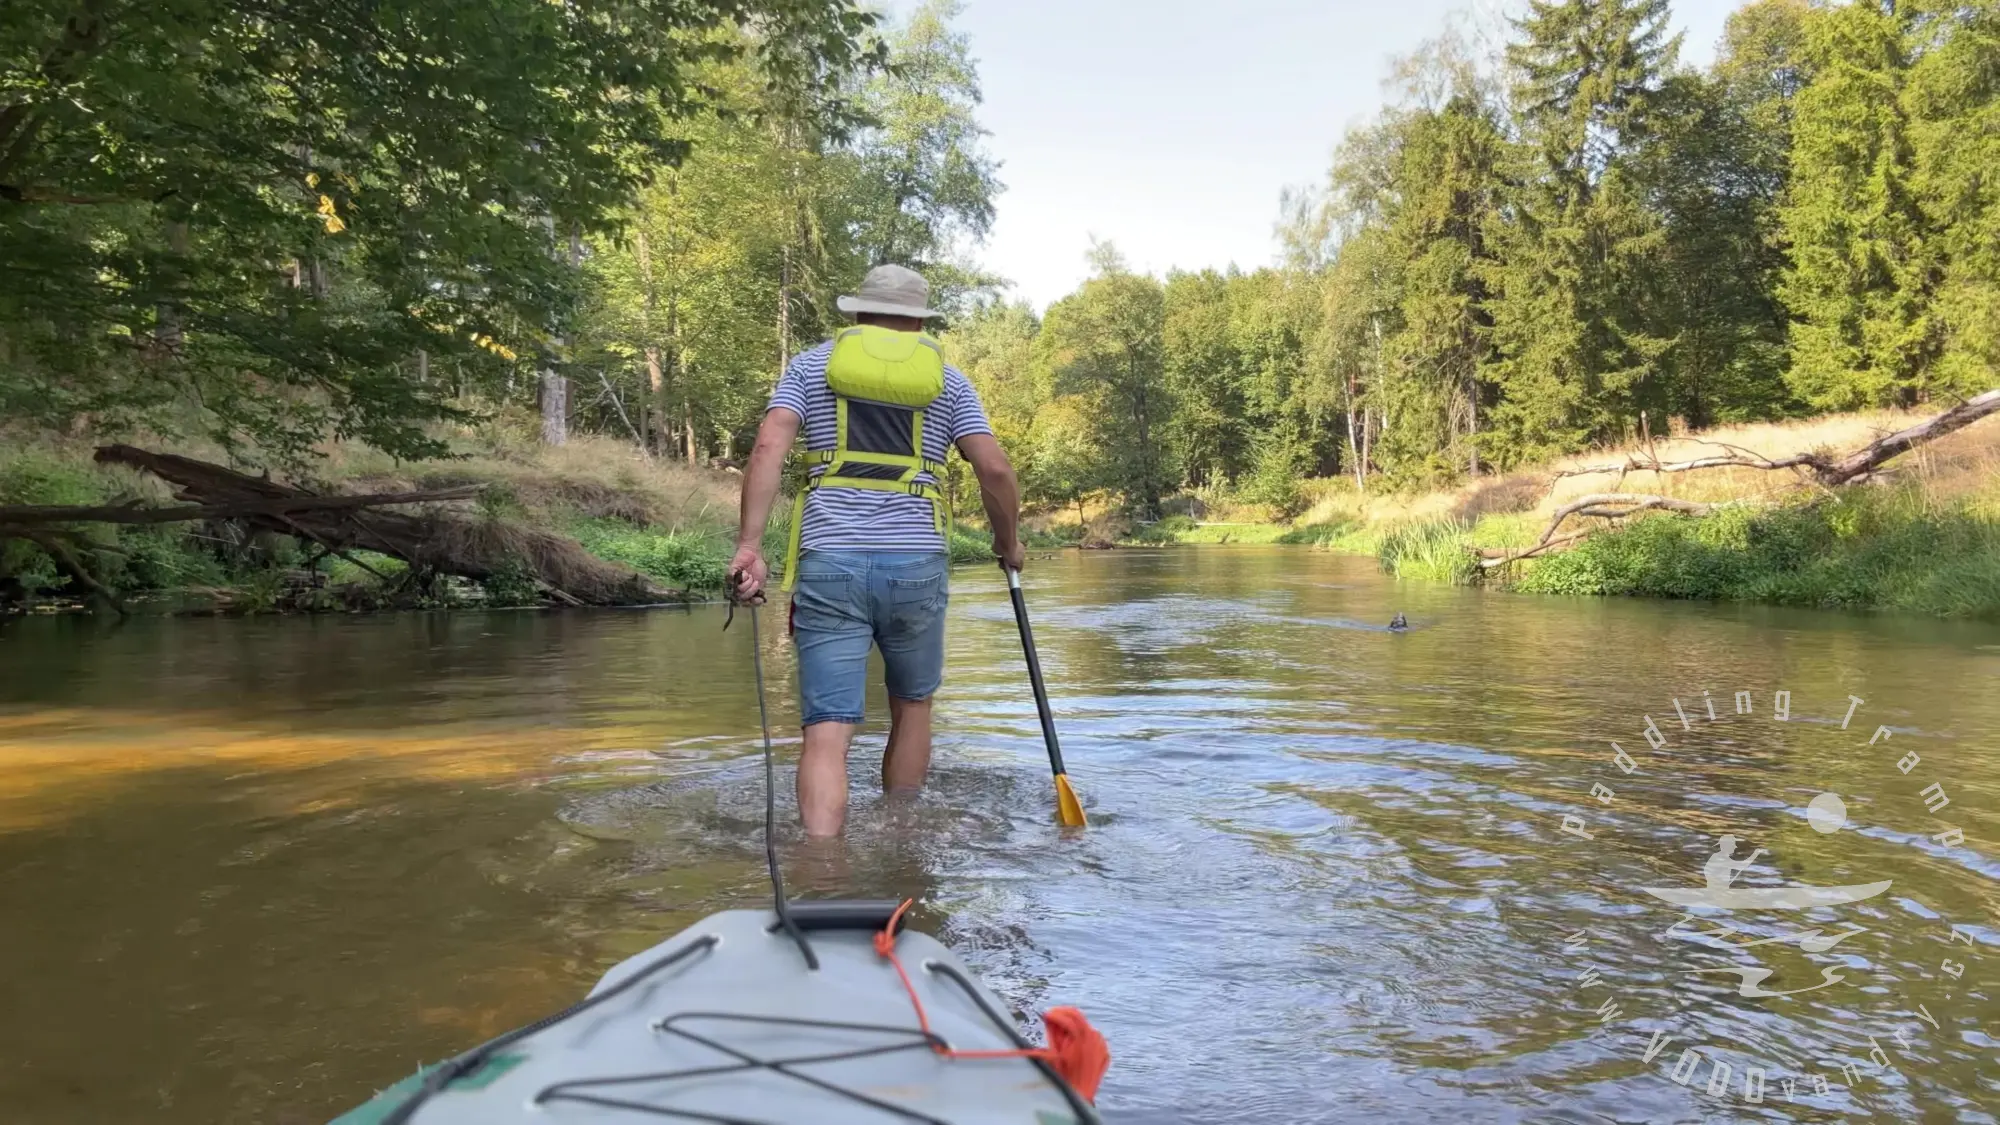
[
  {"x": 1569, "y": 240},
  {"x": 282, "y": 223}
]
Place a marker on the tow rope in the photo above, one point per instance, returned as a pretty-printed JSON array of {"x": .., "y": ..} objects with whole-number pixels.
[
  {"x": 1076, "y": 1050},
  {"x": 770, "y": 776}
]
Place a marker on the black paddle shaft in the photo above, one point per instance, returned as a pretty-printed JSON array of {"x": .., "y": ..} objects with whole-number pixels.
[{"x": 1035, "y": 673}]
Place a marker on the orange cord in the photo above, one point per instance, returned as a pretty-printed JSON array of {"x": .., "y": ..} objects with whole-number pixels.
[{"x": 1076, "y": 1050}]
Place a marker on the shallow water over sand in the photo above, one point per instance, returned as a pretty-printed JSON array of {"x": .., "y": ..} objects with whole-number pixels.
[{"x": 254, "y": 870}]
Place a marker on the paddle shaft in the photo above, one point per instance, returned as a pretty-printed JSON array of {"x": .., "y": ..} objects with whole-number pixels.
[{"x": 1035, "y": 671}]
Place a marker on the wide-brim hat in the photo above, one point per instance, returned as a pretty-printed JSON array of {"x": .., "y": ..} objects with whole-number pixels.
[{"x": 891, "y": 291}]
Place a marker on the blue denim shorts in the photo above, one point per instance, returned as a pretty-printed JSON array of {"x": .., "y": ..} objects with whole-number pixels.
[{"x": 846, "y": 601}]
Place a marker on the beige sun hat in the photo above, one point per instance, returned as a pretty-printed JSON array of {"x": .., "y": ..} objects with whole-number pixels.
[{"x": 891, "y": 291}]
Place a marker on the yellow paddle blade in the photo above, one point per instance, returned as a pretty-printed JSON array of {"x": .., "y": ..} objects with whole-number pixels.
[{"x": 1069, "y": 810}]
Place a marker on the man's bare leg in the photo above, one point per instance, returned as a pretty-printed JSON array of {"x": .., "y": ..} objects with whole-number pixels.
[
  {"x": 907, "y": 759},
  {"x": 823, "y": 778}
]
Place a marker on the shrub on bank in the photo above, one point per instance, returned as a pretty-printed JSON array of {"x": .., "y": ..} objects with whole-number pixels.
[
  {"x": 691, "y": 560},
  {"x": 1854, "y": 550}
]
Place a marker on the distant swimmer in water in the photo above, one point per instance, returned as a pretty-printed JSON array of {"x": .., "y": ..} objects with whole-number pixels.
[{"x": 1400, "y": 622}]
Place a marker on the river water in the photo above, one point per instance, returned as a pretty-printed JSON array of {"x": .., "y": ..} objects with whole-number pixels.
[{"x": 255, "y": 870}]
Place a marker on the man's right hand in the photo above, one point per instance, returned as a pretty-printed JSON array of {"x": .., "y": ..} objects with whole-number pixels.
[
  {"x": 749, "y": 571},
  {"x": 1012, "y": 555}
]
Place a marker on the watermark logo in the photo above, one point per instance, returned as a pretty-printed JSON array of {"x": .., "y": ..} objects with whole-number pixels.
[{"x": 1731, "y": 905}]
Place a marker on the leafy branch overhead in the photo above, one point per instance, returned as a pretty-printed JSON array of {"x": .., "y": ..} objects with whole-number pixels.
[{"x": 274, "y": 210}]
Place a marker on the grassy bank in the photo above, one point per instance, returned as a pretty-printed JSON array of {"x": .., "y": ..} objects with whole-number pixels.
[
  {"x": 672, "y": 522},
  {"x": 1925, "y": 538}
]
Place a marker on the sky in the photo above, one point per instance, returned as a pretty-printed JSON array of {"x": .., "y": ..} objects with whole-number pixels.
[{"x": 1171, "y": 127}]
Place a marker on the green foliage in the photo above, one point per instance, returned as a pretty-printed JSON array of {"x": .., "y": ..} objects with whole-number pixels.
[
  {"x": 1212, "y": 428},
  {"x": 349, "y": 571},
  {"x": 1577, "y": 356},
  {"x": 731, "y": 260},
  {"x": 1855, "y": 551},
  {"x": 1169, "y": 529},
  {"x": 1953, "y": 95},
  {"x": 36, "y": 477},
  {"x": 992, "y": 345},
  {"x": 274, "y": 227},
  {"x": 1854, "y": 224},
  {"x": 928, "y": 183},
  {"x": 969, "y": 545},
  {"x": 1893, "y": 216},
  {"x": 1717, "y": 170},
  {"x": 279, "y": 216},
  {"x": 1181, "y": 529},
  {"x": 1345, "y": 536},
  {"x": 1102, "y": 346},
  {"x": 691, "y": 560},
  {"x": 1060, "y": 535},
  {"x": 513, "y": 585}
]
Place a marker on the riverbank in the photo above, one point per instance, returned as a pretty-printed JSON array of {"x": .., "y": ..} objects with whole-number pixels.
[
  {"x": 1923, "y": 536},
  {"x": 672, "y": 522}
]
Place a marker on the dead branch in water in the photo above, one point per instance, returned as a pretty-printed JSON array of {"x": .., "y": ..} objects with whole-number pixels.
[
  {"x": 57, "y": 543},
  {"x": 1599, "y": 505}
]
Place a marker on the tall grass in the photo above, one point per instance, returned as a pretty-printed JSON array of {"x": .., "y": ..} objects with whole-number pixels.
[
  {"x": 1183, "y": 529},
  {"x": 1435, "y": 550}
]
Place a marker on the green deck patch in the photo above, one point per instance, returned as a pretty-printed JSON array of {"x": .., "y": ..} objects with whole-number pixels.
[{"x": 378, "y": 1108}]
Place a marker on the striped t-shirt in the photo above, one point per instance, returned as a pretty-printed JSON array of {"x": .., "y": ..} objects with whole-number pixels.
[{"x": 853, "y": 519}]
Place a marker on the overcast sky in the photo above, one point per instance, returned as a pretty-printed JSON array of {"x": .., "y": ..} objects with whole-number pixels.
[{"x": 1170, "y": 127}]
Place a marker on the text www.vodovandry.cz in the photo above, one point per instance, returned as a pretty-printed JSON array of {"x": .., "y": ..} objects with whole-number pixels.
[{"x": 1827, "y": 814}]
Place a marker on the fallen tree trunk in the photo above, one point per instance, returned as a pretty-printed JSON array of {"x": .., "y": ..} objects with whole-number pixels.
[
  {"x": 1866, "y": 459},
  {"x": 430, "y": 541},
  {"x": 1825, "y": 469},
  {"x": 23, "y": 515}
]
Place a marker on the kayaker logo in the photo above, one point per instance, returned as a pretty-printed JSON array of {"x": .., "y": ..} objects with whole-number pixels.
[
  {"x": 1722, "y": 869},
  {"x": 1778, "y": 938}
]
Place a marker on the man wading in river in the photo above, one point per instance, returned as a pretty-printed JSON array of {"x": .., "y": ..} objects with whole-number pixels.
[{"x": 867, "y": 561}]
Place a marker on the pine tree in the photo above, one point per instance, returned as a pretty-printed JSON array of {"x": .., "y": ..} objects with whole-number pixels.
[
  {"x": 1716, "y": 173},
  {"x": 1576, "y": 359},
  {"x": 1862, "y": 271},
  {"x": 1953, "y": 99},
  {"x": 1434, "y": 392}
]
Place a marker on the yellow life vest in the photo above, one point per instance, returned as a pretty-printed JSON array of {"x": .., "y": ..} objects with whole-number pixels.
[{"x": 882, "y": 381}]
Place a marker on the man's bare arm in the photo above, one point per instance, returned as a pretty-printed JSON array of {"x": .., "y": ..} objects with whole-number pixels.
[
  {"x": 760, "y": 490},
  {"x": 999, "y": 493}
]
